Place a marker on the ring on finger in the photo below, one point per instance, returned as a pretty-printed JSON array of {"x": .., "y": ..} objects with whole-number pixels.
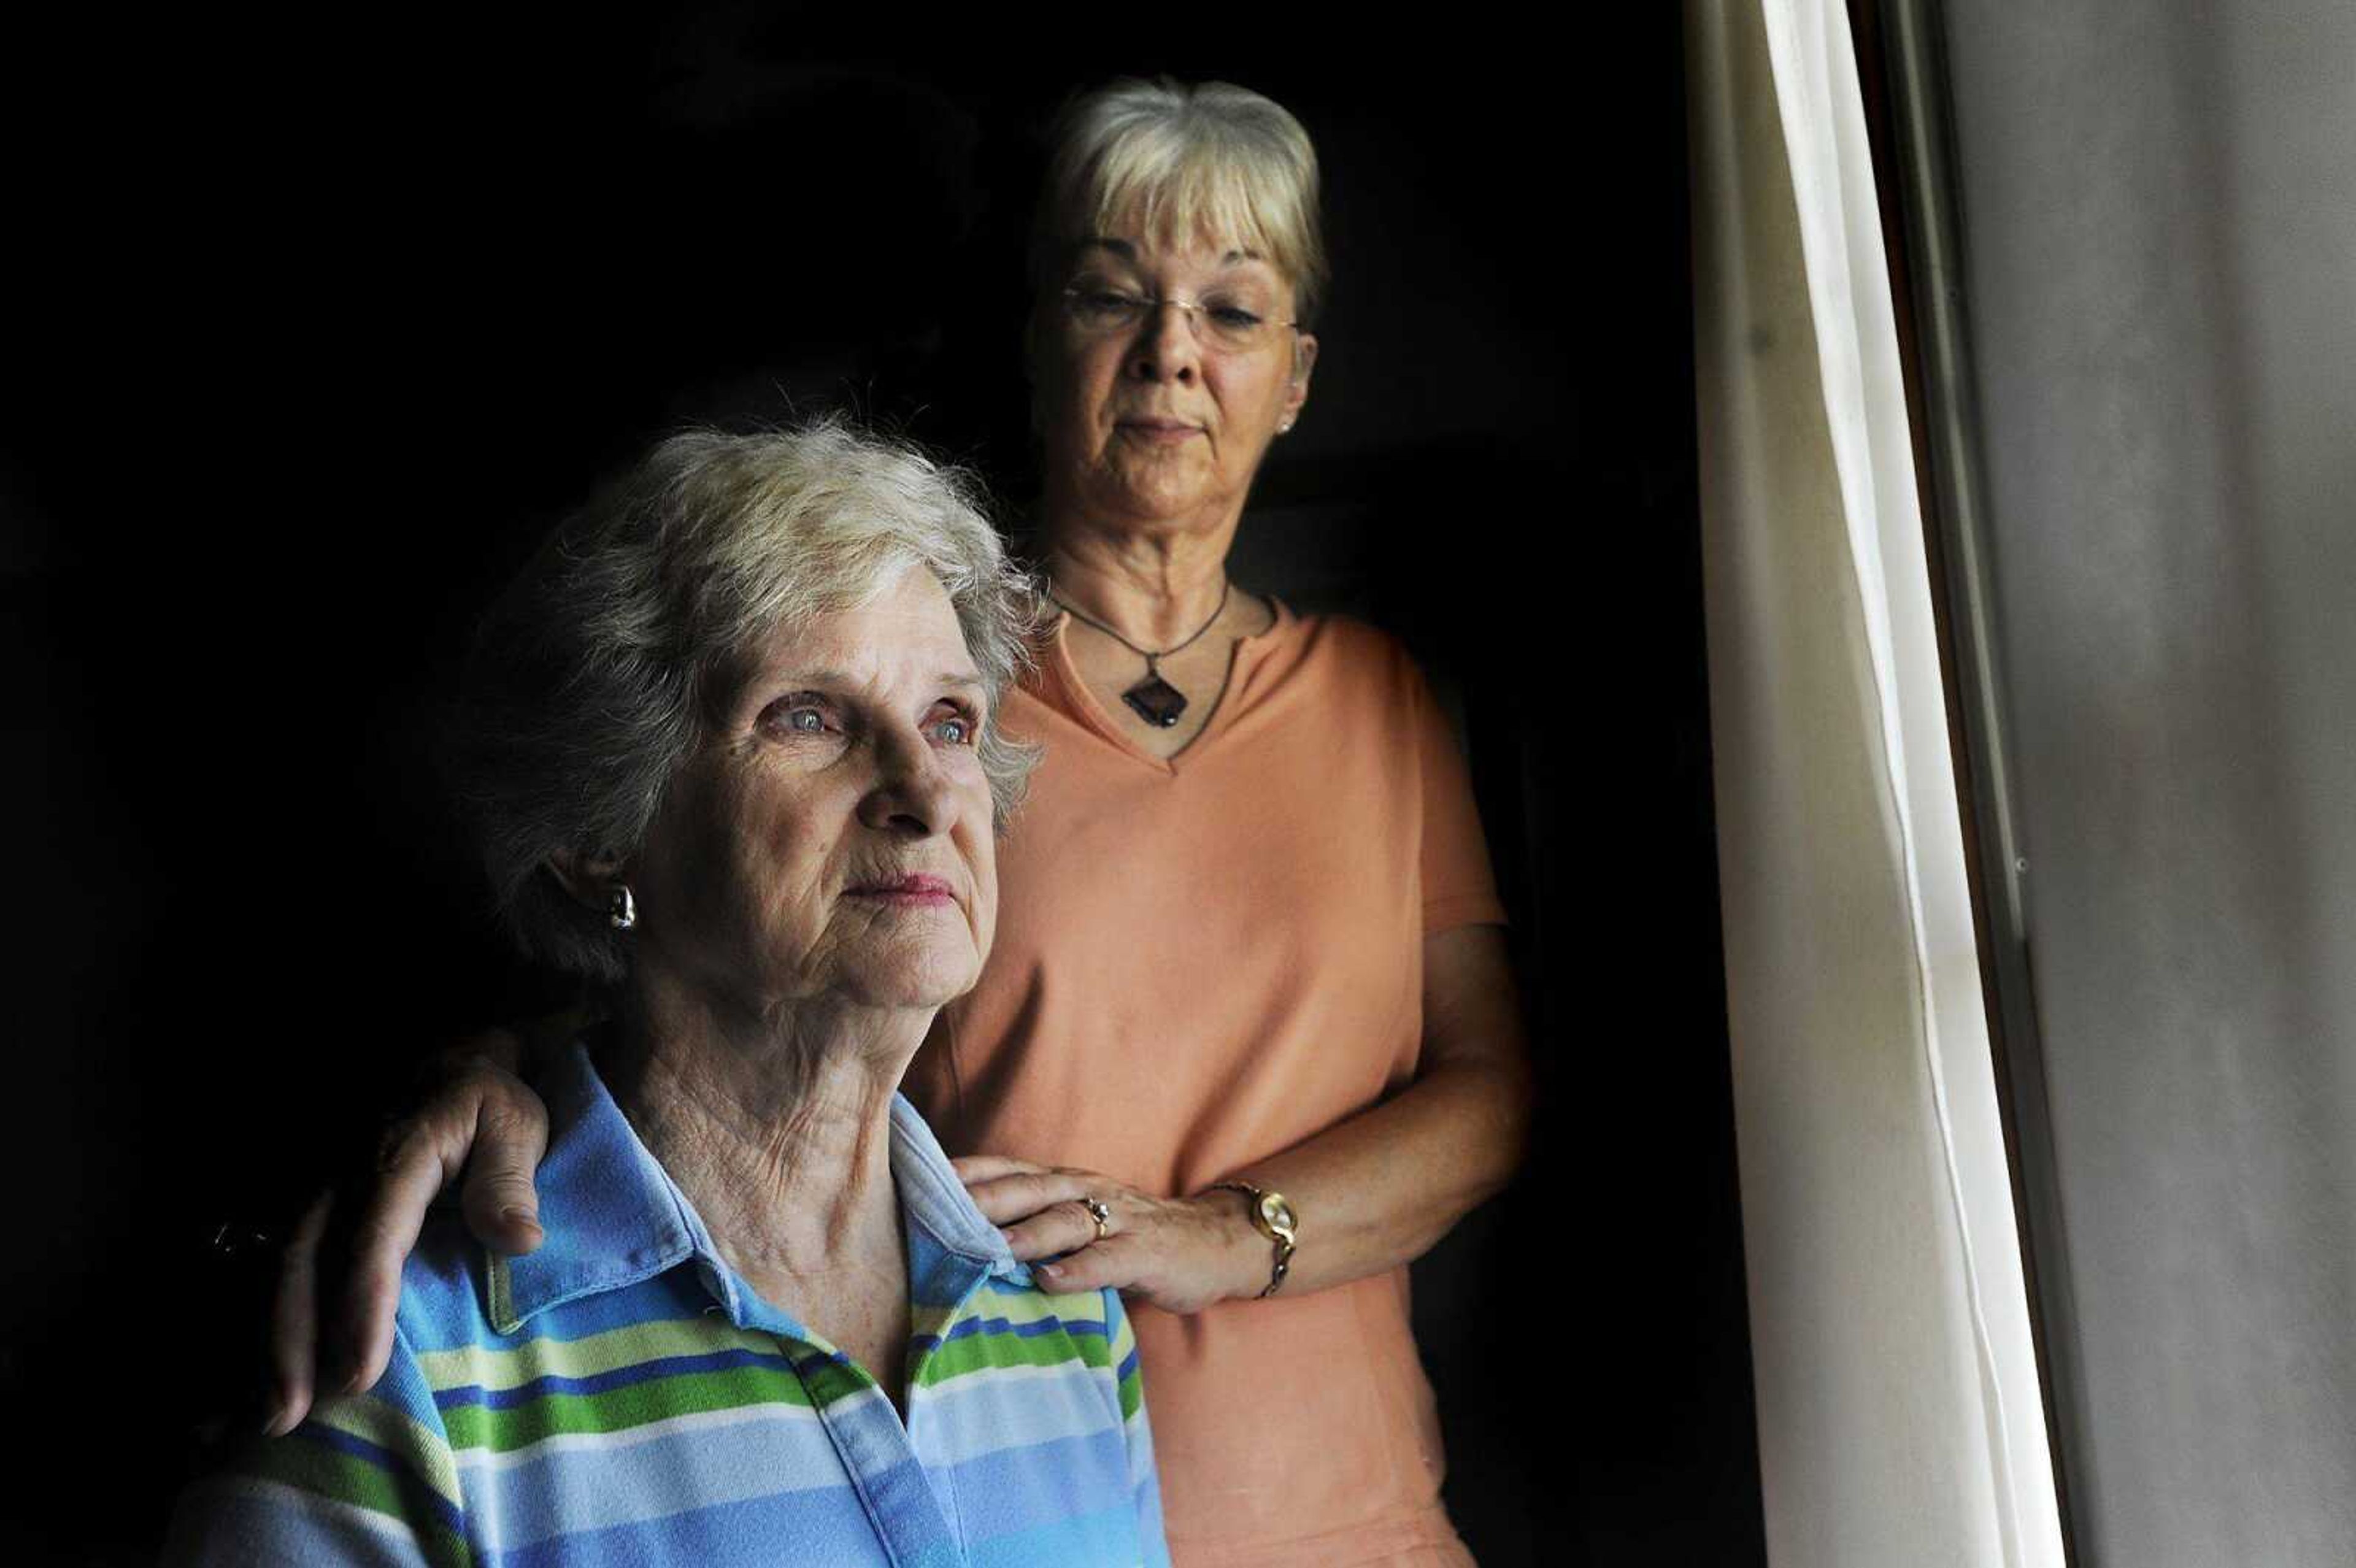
[{"x": 1100, "y": 1214}]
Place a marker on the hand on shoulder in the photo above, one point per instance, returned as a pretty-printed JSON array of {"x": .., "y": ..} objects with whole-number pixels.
[{"x": 476, "y": 1125}]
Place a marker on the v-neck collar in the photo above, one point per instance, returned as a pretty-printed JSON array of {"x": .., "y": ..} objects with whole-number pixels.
[{"x": 1081, "y": 704}]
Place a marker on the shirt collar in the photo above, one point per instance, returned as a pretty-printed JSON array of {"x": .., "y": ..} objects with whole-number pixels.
[{"x": 611, "y": 1216}]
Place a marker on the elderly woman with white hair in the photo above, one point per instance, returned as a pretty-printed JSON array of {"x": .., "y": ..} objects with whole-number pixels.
[
  {"x": 1249, "y": 1043},
  {"x": 732, "y": 750}
]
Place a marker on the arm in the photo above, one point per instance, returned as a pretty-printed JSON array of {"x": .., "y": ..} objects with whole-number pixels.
[
  {"x": 1374, "y": 1192},
  {"x": 342, "y": 1345}
]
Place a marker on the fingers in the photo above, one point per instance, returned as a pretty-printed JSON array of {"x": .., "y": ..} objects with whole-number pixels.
[
  {"x": 412, "y": 1166},
  {"x": 476, "y": 1108},
  {"x": 1117, "y": 1263},
  {"x": 1005, "y": 1198},
  {"x": 1173, "y": 1254},
  {"x": 295, "y": 1323},
  {"x": 973, "y": 1167},
  {"x": 1038, "y": 1210},
  {"x": 499, "y": 1048},
  {"x": 502, "y": 1207},
  {"x": 1064, "y": 1227}
]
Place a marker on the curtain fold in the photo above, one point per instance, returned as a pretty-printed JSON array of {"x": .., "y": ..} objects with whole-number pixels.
[{"x": 1901, "y": 1420}]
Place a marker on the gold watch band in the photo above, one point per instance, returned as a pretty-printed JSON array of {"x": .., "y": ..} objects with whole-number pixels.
[{"x": 1272, "y": 1217}]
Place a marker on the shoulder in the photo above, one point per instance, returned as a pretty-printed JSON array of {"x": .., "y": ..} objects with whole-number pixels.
[
  {"x": 1091, "y": 1339},
  {"x": 1337, "y": 635},
  {"x": 1085, "y": 1313},
  {"x": 1120, "y": 1353},
  {"x": 1028, "y": 1353},
  {"x": 1346, "y": 645},
  {"x": 367, "y": 1476},
  {"x": 1015, "y": 1323},
  {"x": 1352, "y": 664},
  {"x": 445, "y": 1287}
]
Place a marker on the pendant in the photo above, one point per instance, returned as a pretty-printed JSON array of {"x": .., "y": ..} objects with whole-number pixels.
[{"x": 1155, "y": 700}]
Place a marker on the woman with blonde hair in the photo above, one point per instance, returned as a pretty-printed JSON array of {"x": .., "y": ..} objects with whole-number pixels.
[{"x": 1247, "y": 1044}]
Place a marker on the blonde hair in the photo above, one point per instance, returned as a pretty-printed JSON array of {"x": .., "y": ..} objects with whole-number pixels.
[{"x": 1178, "y": 162}]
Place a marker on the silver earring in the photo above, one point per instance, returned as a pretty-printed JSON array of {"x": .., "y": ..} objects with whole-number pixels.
[{"x": 621, "y": 909}]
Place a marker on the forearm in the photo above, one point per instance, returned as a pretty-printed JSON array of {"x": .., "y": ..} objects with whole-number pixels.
[
  {"x": 1370, "y": 1192},
  {"x": 1379, "y": 1189}
]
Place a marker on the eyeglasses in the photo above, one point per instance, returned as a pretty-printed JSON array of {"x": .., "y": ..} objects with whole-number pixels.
[{"x": 1100, "y": 310}]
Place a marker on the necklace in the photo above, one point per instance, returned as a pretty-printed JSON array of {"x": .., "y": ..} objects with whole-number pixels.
[{"x": 1154, "y": 699}]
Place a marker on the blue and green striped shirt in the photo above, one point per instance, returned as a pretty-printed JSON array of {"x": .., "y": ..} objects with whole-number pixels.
[{"x": 622, "y": 1396}]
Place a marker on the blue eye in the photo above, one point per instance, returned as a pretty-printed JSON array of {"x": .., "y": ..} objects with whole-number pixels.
[
  {"x": 957, "y": 729},
  {"x": 800, "y": 714}
]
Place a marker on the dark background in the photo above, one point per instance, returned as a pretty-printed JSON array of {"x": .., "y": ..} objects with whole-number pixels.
[{"x": 316, "y": 327}]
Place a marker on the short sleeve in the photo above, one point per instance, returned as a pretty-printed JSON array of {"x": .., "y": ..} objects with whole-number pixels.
[
  {"x": 1459, "y": 889},
  {"x": 365, "y": 1479}
]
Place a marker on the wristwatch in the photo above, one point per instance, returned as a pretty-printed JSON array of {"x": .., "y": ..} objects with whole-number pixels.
[{"x": 1272, "y": 1217}]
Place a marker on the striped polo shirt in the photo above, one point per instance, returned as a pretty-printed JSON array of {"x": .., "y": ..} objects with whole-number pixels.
[{"x": 622, "y": 1396}]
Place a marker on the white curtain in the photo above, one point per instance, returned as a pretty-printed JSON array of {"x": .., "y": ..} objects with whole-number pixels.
[{"x": 1899, "y": 1418}]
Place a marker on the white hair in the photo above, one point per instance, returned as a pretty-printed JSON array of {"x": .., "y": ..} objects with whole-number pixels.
[
  {"x": 596, "y": 675},
  {"x": 1178, "y": 162}
]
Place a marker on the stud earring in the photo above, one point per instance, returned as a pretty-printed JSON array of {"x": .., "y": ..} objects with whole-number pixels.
[{"x": 621, "y": 909}]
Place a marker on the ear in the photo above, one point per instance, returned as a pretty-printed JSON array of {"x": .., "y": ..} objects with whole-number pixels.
[
  {"x": 588, "y": 880},
  {"x": 1304, "y": 360}
]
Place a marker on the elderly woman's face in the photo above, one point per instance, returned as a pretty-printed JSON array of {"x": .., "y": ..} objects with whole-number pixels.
[
  {"x": 834, "y": 839},
  {"x": 1160, "y": 422}
]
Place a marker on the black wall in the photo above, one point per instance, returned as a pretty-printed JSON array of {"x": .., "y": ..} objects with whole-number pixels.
[{"x": 313, "y": 332}]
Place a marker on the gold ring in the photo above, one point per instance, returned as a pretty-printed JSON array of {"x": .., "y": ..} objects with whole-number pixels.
[{"x": 1100, "y": 1214}]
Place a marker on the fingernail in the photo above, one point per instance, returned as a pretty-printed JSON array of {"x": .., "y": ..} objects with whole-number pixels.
[
  {"x": 1050, "y": 1270},
  {"x": 517, "y": 1214}
]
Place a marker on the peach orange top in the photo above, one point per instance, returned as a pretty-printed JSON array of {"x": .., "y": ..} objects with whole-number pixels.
[{"x": 1200, "y": 963}]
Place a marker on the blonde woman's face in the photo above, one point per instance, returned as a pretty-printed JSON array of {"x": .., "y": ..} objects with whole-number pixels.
[{"x": 1161, "y": 421}]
